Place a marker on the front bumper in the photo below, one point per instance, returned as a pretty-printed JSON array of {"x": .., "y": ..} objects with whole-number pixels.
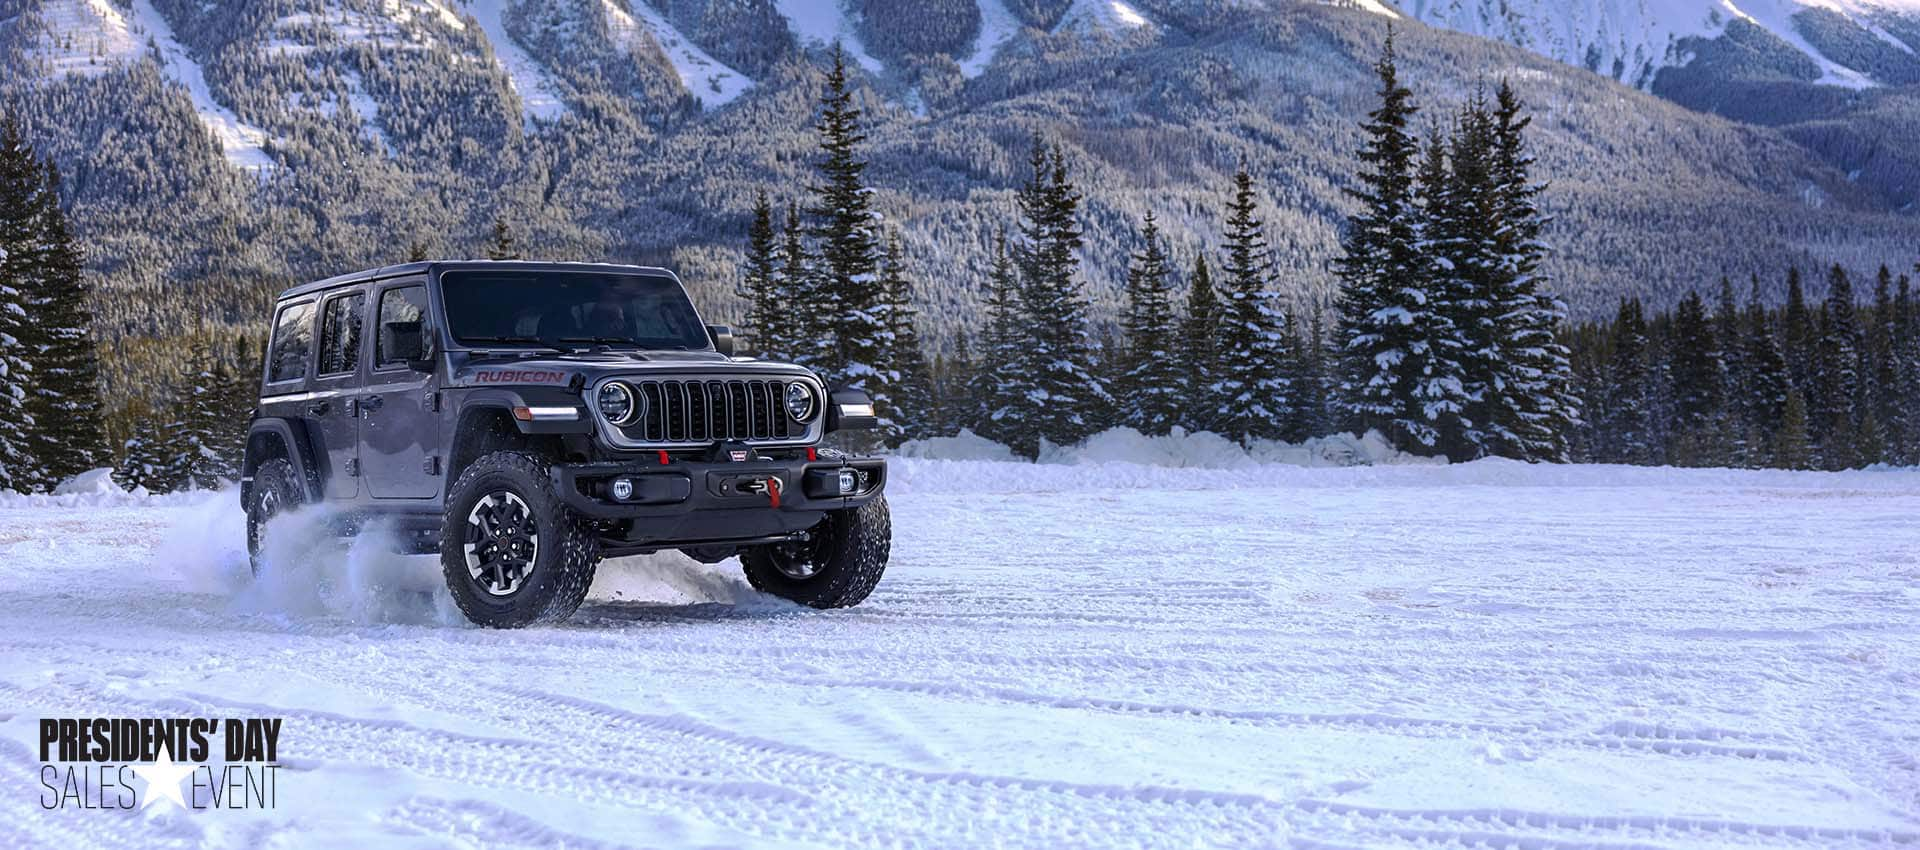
[{"x": 694, "y": 502}]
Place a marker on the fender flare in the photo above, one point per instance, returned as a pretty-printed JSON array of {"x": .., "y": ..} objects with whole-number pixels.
[
  {"x": 294, "y": 440},
  {"x": 509, "y": 398}
]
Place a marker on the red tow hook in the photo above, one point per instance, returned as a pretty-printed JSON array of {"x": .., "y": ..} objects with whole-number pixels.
[{"x": 773, "y": 492}]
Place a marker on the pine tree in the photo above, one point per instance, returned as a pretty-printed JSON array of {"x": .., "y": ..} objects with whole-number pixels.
[
  {"x": 955, "y": 406},
  {"x": 145, "y": 456},
  {"x": 1696, "y": 376},
  {"x": 1311, "y": 413},
  {"x": 1766, "y": 386},
  {"x": 1728, "y": 333},
  {"x": 1149, "y": 388},
  {"x": 846, "y": 289},
  {"x": 1066, "y": 389},
  {"x": 1537, "y": 371},
  {"x": 1397, "y": 374},
  {"x": 1628, "y": 432},
  {"x": 1001, "y": 384},
  {"x": 1792, "y": 449},
  {"x": 1253, "y": 326},
  {"x": 417, "y": 251},
  {"x": 1199, "y": 350},
  {"x": 69, "y": 437},
  {"x": 1836, "y": 380},
  {"x": 1461, "y": 233},
  {"x": 1905, "y": 451},
  {"x": 501, "y": 245},
  {"x": 22, "y": 188},
  {"x": 1880, "y": 391},
  {"x": 903, "y": 372},
  {"x": 767, "y": 315},
  {"x": 804, "y": 337},
  {"x": 1798, "y": 333}
]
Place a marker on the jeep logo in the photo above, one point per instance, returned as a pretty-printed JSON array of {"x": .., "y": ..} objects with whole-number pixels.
[
  {"x": 520, "y": 376},
  {"x": 738, "y": 457}
]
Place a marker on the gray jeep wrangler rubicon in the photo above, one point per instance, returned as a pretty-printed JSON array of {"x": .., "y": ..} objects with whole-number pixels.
[{"x": 525, "y": 420}]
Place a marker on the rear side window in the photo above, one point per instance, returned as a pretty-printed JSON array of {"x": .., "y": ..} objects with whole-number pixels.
[
  {"x": 292, "y": 343},
  {"x": 340, "y": 334},
  {"x": 402, "y": 329}
]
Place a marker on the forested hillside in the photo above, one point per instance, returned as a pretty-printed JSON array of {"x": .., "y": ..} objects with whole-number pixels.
[{"x": 217, "y": 151}]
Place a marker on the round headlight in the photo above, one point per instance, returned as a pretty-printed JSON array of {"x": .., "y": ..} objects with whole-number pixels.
[
  {"x": 799, "y": 401},
  {"x": 616, "y": 402}
]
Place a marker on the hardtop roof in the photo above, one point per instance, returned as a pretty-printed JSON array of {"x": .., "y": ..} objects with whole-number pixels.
[{"x": 404, "y": 269}]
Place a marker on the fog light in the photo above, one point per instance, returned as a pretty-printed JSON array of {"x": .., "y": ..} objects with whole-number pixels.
[
  {"x": 622, "y": 489},
  {"x": 848, "y": 481}
]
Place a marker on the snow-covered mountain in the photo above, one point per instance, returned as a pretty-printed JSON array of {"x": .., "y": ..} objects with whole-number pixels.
[{"x": 1853, "y": 43}]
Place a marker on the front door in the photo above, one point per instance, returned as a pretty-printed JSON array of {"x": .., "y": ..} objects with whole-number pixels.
[
  {"x": 333, "y": 405},
  {"x": 399, "y": 421}
]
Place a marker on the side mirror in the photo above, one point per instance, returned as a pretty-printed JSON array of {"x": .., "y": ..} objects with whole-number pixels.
[
  {"x": 425, "y": 352},
  {"x": 722, "y": 337},
  {"x": 851, "y": 410}
]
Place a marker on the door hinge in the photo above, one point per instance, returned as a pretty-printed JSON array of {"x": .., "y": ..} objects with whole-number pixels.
[
  {"x": 433, "y": 401},
  {"x": 353, "y": 467},
  {"x": 431, "y": 464}
]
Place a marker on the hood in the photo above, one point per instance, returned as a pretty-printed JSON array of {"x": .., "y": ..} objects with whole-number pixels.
[{"x": 472, "y": 368}]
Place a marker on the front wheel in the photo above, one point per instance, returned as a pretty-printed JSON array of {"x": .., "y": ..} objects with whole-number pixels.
[
  {"x": 836, "y": 566},
  {"x": 512, "y": 552}
]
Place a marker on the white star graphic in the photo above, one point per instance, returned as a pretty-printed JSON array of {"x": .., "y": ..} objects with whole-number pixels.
[{"x": 163, "y": 779}]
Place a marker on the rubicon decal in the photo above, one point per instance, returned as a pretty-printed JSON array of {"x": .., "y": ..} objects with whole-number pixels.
[
  {"x": 520, "y": 376},
  {"x": 131, "y": 763}
]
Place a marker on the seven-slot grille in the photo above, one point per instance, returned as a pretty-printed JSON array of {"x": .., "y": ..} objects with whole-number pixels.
[{"x": 703, "y": 411}]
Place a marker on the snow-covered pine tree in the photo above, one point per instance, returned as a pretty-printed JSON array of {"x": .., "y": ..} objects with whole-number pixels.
[
  {"x": 846, "y": 289},
  {"x": 1393, "y": 376},
  {"x": 146, "y": 455},
  {"x": 1149, "y": 390},
  {"x": 1906, "y": 386},
  {"x": 1792, "y": 448},
  {"x": 1198, "y": 350},
  {"x": 1627, "y": 435},
  {"x": 1461, "y": 235},
  {"x": 1001, "y": 384},
  {"x": 766, "y": 315},
  {"x": 70, "y": 437},
  {"x": 417, "y": 251},
  {"x": 1253, "y": 326},
  {"x": 1311, "y": 414},
  {"x": 1799, "y": 337},
  {"x": 805, "y": 329},
  {"x": 1881, "y": 387},
  {"x": 199, "y": 457},
  {"x": 1066, "y": 389},
  {"x": 501, "y": 245},
  {"x": 1836, "y": 381},
  {"x": 1696, "y": 376},
  {"x": 954, "y": 406},
  {"x": 1729, "y": 333},
  {"x": 1544, "y": 409},
  {"x": 22, "y": 185},
  {"x": 904, "y": 364},
  {"x": 1764, "y": 396}
]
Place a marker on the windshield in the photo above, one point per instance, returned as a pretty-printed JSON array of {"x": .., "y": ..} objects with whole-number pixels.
[{"x": 569, "y": 309}]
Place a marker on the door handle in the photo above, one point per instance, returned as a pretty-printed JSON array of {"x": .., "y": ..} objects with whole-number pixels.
[
  {"x": 372, "y": 403},
  {"x": 318, "y": 408}
]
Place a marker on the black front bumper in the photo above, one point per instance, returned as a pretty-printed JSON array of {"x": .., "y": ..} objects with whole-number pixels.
[{"x": 688, "y": 502}]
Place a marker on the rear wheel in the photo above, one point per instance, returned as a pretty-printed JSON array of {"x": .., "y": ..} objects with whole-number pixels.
[
  {"x": 836, "y": 566},
  {"x": 276, "y": 490},
  {"x": 513, "y": 554}
]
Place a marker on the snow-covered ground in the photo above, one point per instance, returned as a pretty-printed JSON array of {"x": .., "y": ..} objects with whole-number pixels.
[
  {"x": 539, "y": 96},
  {"x": 1061, "y": 655}
]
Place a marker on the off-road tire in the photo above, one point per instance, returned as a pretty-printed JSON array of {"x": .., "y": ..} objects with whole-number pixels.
[
  {"x": 852, "y": 550},
  {"x": 276, "y": 490},
  {"x": 564, "y": 561}
]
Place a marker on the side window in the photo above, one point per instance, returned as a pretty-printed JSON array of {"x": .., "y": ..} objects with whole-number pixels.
[
  {"x": 402, "y": 328},
  {"x": 340, "y": 334},
  {"x": 292, "y": 343}
]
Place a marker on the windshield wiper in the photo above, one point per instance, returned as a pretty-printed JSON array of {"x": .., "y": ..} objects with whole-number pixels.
[
  {"x": 518, "y": 340},
  {"x": 600, "y": 340}
]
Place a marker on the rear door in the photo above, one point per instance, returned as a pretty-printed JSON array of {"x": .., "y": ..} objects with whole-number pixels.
[
  {"x": 400, "y": 420},
  {"x": 334, "y": 404}
]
